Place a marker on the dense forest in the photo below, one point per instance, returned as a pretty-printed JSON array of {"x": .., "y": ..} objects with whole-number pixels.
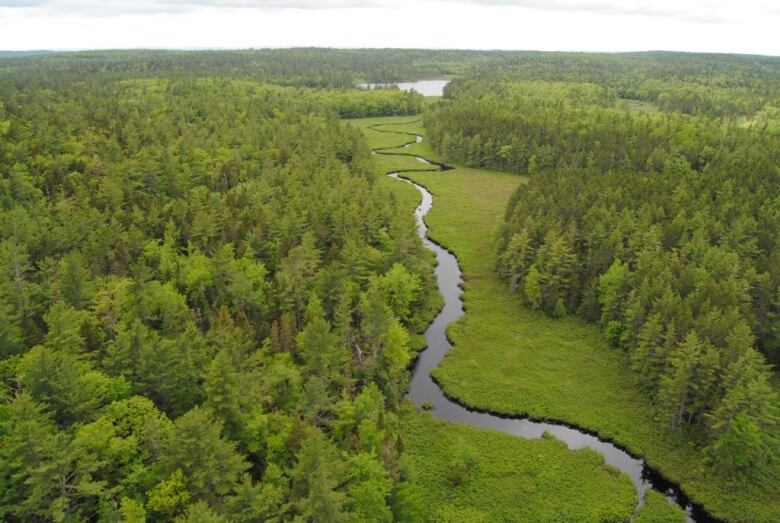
[
  {"x": 661, "y": 225},
  {"x": 206, "y": 305},
  {"x": 209, "y": 306},
  {"x": 682, "y": 81}
]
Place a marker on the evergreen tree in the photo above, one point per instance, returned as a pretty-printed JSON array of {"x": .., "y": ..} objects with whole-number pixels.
[
  {"x": 31, "y": 450},
  {"x": 687, "y": 384},
  {"x": 210, "y": 464},
  {"x": 317, "y": 476},
  {"x": 533, "y": 287},
  {"x": 223, "y": 389},
  {"x": 649, "y": 358}
]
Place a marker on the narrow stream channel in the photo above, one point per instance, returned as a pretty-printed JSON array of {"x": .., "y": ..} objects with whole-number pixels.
[{"x": 425, "y": 393}]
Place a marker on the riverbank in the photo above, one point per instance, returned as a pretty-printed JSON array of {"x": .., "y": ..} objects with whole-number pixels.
[{"x": 515, "y": 361}]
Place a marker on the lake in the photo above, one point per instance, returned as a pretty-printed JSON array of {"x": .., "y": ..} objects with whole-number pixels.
[{"x": 424, "y": 87}]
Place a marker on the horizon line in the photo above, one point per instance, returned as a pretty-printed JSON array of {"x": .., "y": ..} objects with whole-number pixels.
[{"x": 338, "y": 48}]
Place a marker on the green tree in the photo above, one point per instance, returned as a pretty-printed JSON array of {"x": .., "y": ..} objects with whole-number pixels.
[
  {"x": 317, "y": 476},
  {"x": 400, "y": 289},
  {"x": 222, "y": 385},
  {"x": 170, "y": 496},
  {"x": 739, "y": 451},
  {"x": 533, "y": 287},
  {"x": 132, "y": 511},
  {"x": 65, "y": 328},
  {"x": 255, "y": 502},
  {"x": 408, "y": 503},
  {"x": 68, "y": 385},
  {"x": 613, "y": 287},
  {"x": 209, "y": 462},
  {"x": 295, "y": 274},
  {"x": 746, "y": 420},
  {"x": 31, "y": 453},
  {"x": 11, "y": 340},
  {"x": 321, "y": 350},
  {"x": 200, "y": 512},
  {"x": 649, "y": 358},
  {"x": 688, "y": 384},
  {"x": 369, "y": 488},
  {"x": 513, "y": 261}
]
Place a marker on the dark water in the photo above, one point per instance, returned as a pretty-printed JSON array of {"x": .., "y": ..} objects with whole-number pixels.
[
  {"x": 424, "y": 87},
  {"x": 423, "y": 391}
]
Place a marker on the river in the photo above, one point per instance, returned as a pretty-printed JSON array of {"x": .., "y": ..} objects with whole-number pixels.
[{"x": 426, "y": 394}]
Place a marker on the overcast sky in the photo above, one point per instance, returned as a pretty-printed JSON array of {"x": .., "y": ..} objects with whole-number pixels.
[{"x": 740, "y": 26}]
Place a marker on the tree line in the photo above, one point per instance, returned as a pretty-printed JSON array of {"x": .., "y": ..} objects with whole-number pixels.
[{"x": 728, "y": 86}]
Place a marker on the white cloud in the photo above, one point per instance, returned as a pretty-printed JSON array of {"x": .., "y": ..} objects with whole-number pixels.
[
  {"x": 97, "y": 8},
  {"x": 608, "y": 25}
]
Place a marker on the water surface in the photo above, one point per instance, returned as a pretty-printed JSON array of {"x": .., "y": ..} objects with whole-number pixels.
[{"x": 424, "y": 87}]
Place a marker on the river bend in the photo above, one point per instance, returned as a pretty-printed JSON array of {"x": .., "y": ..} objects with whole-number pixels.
[{"x": 426, "y": 394}]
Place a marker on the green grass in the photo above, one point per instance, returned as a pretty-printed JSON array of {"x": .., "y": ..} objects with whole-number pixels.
[
  {"x": 383, "y": 136},
  {"x": 658, "y": 510},
  {"x": 511, "y": 479},
  {"x": 510, "y": 359},
  {"x": 386, "y": 164}
]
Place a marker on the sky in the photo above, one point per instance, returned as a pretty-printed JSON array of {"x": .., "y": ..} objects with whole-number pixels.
[{"x": 731, "y": 26}]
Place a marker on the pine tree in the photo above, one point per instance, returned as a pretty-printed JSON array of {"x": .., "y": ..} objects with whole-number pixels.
[
  {"x": 316, "y": 478},
  {"x": 400, "y": 289},
  {"x": 613, "y": 287},
  {"x": 210, "y": 463},
  {"x": 687, "y": 385},
  {"x": 254, "y": 502},
  {"x": 201, "y": 512},
  {"x": 30, "y": 448},
  {"x": 395, "y": 350},
  {"x": 222, "y": 386},
  {"x": 745, "y": 422},
  {"x": 649, "y": 358},
  {"x": 533, "y": 287},
  {"x": 295, "y": 274},
  {"x": 10, "y": 330},
  {"x": 739, "y": 450},
  {"x": 513, "y": 260},
  {"x": 319, "y": 347}
]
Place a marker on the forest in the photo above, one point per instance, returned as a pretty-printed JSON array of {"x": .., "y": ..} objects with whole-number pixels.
[
  {"x": 207, "y": 305},
  {"x": 662, "y": 226},
  {"x": 211, "y": 301}
]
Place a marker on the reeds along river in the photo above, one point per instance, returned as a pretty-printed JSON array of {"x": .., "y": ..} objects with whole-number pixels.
[{"x": 425, "y": 393}]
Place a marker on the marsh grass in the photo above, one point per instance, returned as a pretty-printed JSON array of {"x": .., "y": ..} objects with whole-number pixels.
[{"x": 503, "y": 478}]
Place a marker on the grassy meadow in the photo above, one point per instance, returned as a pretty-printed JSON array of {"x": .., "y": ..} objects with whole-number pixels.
[{"x": 510, "y": 479}]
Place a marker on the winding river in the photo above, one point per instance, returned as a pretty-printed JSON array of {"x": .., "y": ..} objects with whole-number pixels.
[{"x": 426, "y": 394}]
